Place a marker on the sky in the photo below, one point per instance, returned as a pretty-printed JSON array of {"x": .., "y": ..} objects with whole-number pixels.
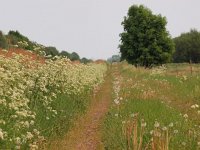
[{"x": 89, "y": 27}]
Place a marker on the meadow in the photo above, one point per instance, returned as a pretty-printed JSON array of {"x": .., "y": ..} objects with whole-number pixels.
[
  {"x": 152, "y": 109},
  {"x": 155, "y": 109}
]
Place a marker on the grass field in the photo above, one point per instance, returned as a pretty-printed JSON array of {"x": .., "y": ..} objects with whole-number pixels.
[{"x": 154, "y": 109}]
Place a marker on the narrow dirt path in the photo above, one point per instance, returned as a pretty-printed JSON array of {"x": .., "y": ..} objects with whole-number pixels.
[{"x": 86, "y": 133}]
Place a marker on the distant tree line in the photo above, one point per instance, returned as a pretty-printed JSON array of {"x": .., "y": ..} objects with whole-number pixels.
[
  {"x": 114, "y": 58},
  {"x": 52, "y": 51},
  {"x": 14, "y": 39},
  {"x": 187, "y": 47}
]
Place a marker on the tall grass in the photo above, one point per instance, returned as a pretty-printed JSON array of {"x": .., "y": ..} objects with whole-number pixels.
[
  {"x": 155, "y": 110},
  {"x": 151, "y": 112}
]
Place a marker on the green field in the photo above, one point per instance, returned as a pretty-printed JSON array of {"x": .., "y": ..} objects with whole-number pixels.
[{"x": 154, "y": 108}]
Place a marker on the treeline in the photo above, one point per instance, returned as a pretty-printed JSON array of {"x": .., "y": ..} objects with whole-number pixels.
[
  {"x": 187, "y": 47},
  {"x": 15, "y": 39},
  {"x": 114, "y": 58}
]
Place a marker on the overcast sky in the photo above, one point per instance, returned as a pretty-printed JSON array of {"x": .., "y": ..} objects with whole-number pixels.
[{"x": 89, "y": 27}]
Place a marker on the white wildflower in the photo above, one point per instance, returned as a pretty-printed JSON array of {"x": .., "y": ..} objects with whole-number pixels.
[
  {"x": 32, "y": 122},
  {"x": 156, "y": 124},
  {"x": 18, "y": 140},
  {"x": 198, "y": 143},
  {"x": 171, "y": 124},
  {"x": 29, "y": 135},
  {"x": 183, "y": 143},
  {"x": 123, "y": 122},
  {"x": 151, "y": 132},
  {"x": 132, "y": 115},
  {"x": 26, "y": 124},
  {"x": 2, "y": 122},
  {"x": 164, "y": 128},
  {"x": 116, "y": 101},
  {"x": 1, "y": 134},
  {"x": 175, "y": 131},
  {"x": 143, "y": 123},
  {"x": 33, "y": 146},
  {"x": 36, "y": 131},
  {"x": 185, "y": 116},
  {"x": 17, "y": 147}
]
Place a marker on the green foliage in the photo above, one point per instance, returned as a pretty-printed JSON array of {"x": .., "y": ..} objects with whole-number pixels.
[
  {"x": 16, "y": 38},
  {"x": 114, "y": 58},
  {"x": 3, "y": 42},
  {"x": 65, "y": 54},
  {"x": 85, "y": 60},
  {"x": 51, "y": 51},
  {"x": 187, "y": 47},
  {"x": 145, "y": 41},
  {"x": 74, "y": 56}
]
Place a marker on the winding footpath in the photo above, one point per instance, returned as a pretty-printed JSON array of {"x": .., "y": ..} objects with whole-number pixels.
[{"x": 86, "y": 134}]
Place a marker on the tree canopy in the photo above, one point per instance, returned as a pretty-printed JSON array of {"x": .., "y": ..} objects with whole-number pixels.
[
  {"x": 51, "y": 51},
  {"x": 187, "y": 47},
  {"x": 145, "y": 41},
  {"x": 65, "y": 54},
  {"x": 16, "y": 38},
  {"x": 74, "y": 56},
  {"x": 85, "y": 60}
]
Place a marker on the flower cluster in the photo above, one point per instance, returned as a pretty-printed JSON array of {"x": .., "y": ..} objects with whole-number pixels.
[
  {"x": 116, "y": 88},
  {"x": 158, "y": 70},
  {"x": 27, "y": 85}
]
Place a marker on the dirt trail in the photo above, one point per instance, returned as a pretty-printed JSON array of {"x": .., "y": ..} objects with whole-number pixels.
[{"x": 86, "y": 133}]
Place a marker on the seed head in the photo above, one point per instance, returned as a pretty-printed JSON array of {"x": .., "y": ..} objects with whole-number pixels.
[{"x": 157, "y": 124}]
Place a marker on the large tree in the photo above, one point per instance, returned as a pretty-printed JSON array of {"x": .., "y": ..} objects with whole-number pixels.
[
  {"x": 145, "y": 41},
  {"x": 187, "y": 47}
]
